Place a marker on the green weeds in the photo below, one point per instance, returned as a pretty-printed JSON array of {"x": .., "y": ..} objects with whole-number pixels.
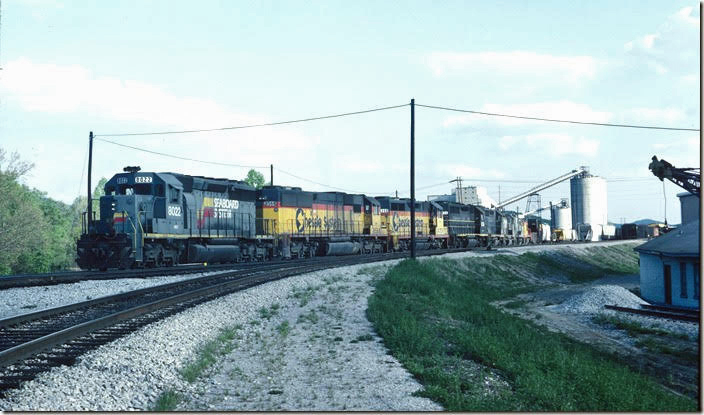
[
  {"x": 304, "y": 295},
  {"x": 656, "y": 346},
  {"x": 267, "y": 313},
  {"x": 434, "y": 318},
  {"x": 209, "y": 353},
  {"x": 284, "y": 328},
  {"x": 634, "y": 328},
  {"x": 310, "y": 317},
  {"x": 167, "y": 401}
]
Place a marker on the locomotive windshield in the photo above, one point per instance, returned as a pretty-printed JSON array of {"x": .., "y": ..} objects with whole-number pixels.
[{"x": 128, "y": 189}]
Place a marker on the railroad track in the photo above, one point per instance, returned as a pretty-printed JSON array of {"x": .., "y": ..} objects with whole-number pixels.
[
  {"x": 64, "y": 277},
  {"x": 35, "y": 342},
  {"x": 660, "y": 312}
]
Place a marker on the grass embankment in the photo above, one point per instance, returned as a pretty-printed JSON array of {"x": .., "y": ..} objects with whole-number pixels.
[
  {"x": 436, "y": 318},
  {"x": 585, "y": 264}
]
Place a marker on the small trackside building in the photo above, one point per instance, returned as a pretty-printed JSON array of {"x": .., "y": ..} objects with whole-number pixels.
[{"x": 669, "y": 268}]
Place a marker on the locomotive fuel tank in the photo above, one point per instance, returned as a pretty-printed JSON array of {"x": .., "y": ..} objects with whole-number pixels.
[
  {"x": 342, "y": 248},
  {"x": 213, "y": 253}
]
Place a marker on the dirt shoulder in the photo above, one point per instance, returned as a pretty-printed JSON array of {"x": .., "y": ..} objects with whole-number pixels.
[{"x": 664, "y": 349}]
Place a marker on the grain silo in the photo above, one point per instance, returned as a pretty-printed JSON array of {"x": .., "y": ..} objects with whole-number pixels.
[{"x": 588, "y": 203}]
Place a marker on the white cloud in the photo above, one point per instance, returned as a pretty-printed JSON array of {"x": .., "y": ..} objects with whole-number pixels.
[
  {"x": 571, "y": 69},
  {"x": 357, "y": 165},
  {"x": 561, "y": 110},
  {"x": 656, "y": 115},
  {"x": 683, "y": 152},
  {"x": 66, "y": 89},
  {"x": 73, "y": 88},
  {"x": 552, "y": 144},
  {"x": 673, "y": 46}
]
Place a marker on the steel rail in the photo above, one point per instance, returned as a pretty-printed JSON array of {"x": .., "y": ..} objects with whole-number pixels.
[
  {"x": 64, "y": 277},
  {"x": 654, "y": 313},
  {"x": 690, "y": 311}
]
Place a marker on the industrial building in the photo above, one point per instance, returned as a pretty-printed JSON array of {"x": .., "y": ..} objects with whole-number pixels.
[
  {"x": 669, "y": 267},
  {"x": 689, "y": 207},
  {"x": 584, "y": 218}
]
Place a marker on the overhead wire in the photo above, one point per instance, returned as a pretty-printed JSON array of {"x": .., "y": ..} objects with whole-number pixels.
[
  {"x": 180, "y": 157},
  {"x": 241, "y": 127},
  {"x": 493, "y": 114},
  {"x": 97, "y": 136},
  {"x": 327, "y": 185}
]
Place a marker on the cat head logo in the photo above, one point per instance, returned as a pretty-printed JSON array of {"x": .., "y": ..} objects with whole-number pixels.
[
  {"x": 395, "y": 222},
  {"x": 300, "y": 220}
]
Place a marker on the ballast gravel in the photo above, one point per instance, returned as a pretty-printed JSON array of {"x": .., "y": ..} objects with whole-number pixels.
[
  {"x": 592, "y": 301},
  {"x": 17, "y": 301},
  {"x": 302, "y": 343},
  {"x": 595, "y": 298}
]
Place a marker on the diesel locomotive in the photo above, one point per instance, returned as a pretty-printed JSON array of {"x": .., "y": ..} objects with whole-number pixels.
[{"x": 149, "y": 219}]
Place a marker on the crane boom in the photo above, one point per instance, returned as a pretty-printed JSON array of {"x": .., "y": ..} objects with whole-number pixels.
[
  {"x": 686, "y": 178},
  {"x": 542, "y": 208},
  {"x": 543, "y": 186}
]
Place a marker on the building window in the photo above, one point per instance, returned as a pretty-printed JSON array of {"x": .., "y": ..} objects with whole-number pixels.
[
  {"x": 683, "y": 280},
  {"x": 696, "y": 279}
]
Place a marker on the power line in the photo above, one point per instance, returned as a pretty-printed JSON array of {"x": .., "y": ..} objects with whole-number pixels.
[
  {"x": 180, "y": 157},
  {"x": 327, "y": 185},
  {"x": 554, "y": 120},
  {"x": 240, "y": 127}
]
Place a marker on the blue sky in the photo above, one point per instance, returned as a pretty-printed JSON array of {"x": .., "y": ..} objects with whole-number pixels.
[{"x": 70, "y": 67}]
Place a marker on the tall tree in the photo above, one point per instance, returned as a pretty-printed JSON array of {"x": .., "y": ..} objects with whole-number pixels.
[
  {"x": 254, "y": 179},
  {"x": 22, "y": 223}
]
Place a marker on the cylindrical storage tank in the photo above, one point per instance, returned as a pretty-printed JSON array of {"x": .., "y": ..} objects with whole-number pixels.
[
  {"x": 588, "y": 200},
  {"x": 561, "y": 217}
]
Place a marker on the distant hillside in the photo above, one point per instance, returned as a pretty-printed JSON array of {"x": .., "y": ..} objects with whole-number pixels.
[{"x": 646, "y": 222}]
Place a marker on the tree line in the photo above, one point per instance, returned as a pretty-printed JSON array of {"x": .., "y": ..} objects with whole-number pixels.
[{"x": 38, "y": 233}]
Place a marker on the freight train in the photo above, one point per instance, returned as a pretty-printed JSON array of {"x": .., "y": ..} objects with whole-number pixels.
[{"x": 163, "y": 219}]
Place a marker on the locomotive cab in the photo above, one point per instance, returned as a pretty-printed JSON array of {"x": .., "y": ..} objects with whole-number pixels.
[{"x": 135, "y": 203}]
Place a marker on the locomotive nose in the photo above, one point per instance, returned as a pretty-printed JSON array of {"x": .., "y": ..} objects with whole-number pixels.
[{"x": 117, "y": 211}]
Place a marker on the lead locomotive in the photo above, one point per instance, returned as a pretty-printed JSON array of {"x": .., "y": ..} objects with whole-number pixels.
[{"x": 162, "y": 219}]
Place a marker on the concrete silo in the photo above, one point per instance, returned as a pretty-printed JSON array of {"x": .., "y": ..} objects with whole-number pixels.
[{"x": 588, "y": 205}]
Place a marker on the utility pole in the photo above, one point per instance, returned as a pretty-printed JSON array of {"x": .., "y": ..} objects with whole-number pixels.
[
  {"x": 90, "y": 190},
  {"x": 413, "y": 182},
  {"x": 272, "y": 175}
]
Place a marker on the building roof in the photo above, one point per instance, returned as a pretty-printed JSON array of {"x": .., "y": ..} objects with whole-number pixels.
[
  {"x": 685, "y": 194},
  {"x": 680, "y": 242}
]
